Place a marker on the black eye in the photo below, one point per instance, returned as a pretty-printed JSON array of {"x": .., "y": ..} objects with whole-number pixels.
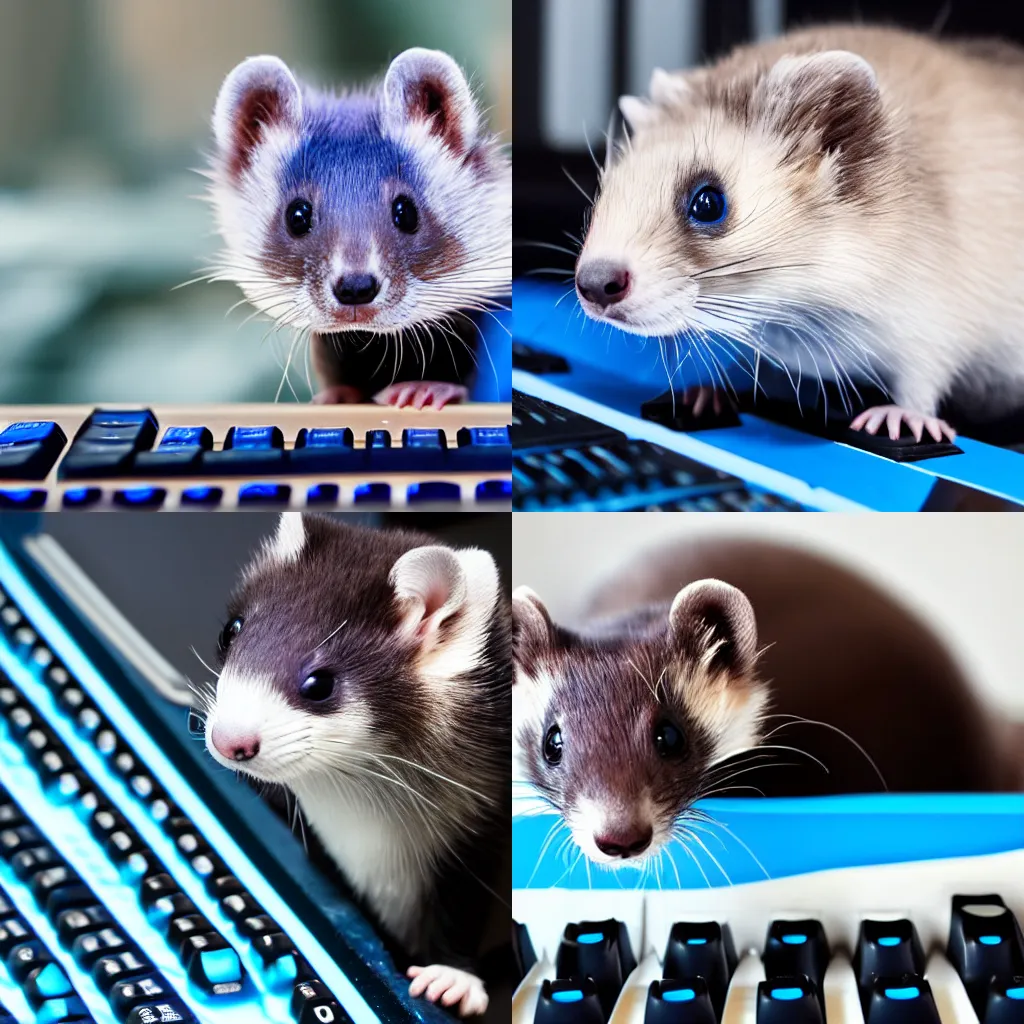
[
  {"x": 229, "y": 632},
  {"x": 299, "y": 217},
  {"x": 405, "y": 215},
  {"x": 668, "y": 740},
  {"x": 553, "y": 745},
  {"x": 318, "y": 685},
  {"x": 707, "y": 206}
]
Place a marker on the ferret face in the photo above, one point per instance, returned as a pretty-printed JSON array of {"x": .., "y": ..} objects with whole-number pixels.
[
  {"x": 619, "y": 732},
  {"x": 369, "y": 211},
  {"x": 740, "y": 198},
  {"x": 339, "y": 648}
]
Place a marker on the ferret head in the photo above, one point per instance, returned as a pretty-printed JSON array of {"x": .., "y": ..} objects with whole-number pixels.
[
  {"x": 619, "y": 733},
  {"x": 742, "y": 195},
  {"x": 370, "y": 211},
  {"x": 349, "y": 654}
]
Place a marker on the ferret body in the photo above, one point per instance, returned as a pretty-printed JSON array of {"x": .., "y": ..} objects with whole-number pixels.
[
  {"x": 368, "y": 673},
  {"x": 377, "y": 222},
  {"x": 669, "y": 679},
  {"x": 845, "y": 201}
]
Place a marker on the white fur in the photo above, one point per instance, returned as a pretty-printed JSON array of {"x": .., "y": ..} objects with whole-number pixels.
[{"x": 290, "y": 538}]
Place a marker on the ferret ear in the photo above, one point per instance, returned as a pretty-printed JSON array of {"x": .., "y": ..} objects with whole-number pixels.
[
  {"x": 427, "y": 86},
  {"x": 531, "y": 625},
  {"x": 833, "y": 97},
  {"x": 438, "y": 587},
  {"x": 260, "y": 93},
  {"x": 713, "y": 623},
  {"x": 637, "y": 113},
  {"x": 667, "y": 88},
  {"x": 290, "y": 538}
]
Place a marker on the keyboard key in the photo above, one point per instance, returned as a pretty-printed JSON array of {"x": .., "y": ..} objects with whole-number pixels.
[
  {"x": 264, "y": 494},
  {"x": 378, "y": 439},
  {"x": 494, "y": 490},
  {"x": 599, "y": 950},
  {"x": 24, "y": 499},
  {"x": 140, "y": 497},
  {"x": 25, "y": 958},
  {"x": 431, "y": 491},
  {"x": 705, "y": 950},
  {"x": 796, "y": 948},
  {"x": 110, "y": 970},
  {"x": 569, "y": 1002},
  {"x": 886, "y": 949},
  {"x": 1005, "y": 1003},
  {"x": 48, "y": 982},
  {"x": 172, "y": 461},
  {"x": 522, "y": 948},
  {"x": 166, "y": 1011},
  {"x": 671, "y": 411},
  {"x": 213, "y": 965},
  {"x": 906, "y": 999},
  {"x": 81, "y": 497},
  {"x": 243, "y": 462},
  {"x": 679, "y": 1002},
  {"x": 90, "y": 947},
  {"x": 253, "y": 438},
  {"x": 312, "y": 1003},
  {"x": 28, "y": 450},
  {"x": 322, "y": 494},
  {"x": 281, "y": 960},
  {"x": 206, "y": 497},
  {"x": 320, "y": 437},
  {"x": 107, "y": 443},
  {"x": 789, "y": 1000},
  {"x": 80, "y": 921},
  {"x": 186, "y": 437},
  {"x": 13, "y": 932},
  {"x": 126, "y": 995},
  {"x": 984, "y": 943},
  {"x": 372, "y": 494}
]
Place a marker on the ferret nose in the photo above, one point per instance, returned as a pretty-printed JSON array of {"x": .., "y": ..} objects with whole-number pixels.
[
  {"x": 233, "y": 746},
  {"x": 602, "y": 282},
  {"x": 624, "y": 842},
  {"x": 356, "y": 289}
]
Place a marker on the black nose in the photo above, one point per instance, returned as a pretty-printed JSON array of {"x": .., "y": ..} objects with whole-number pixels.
[
  {"x": 602, "y": 282},
  {"x": 246, "y": 751},
  {"x": 624, "y": 842},
  {"x": 356, "y": 289}
]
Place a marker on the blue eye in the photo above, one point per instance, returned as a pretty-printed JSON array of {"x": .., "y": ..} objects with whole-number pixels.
[{"x": 707, "y": 206}]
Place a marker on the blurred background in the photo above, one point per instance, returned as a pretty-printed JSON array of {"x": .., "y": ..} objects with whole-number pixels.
[
  {"x": 105, "y": 108},
  {"x": 574, "y": 58},
  {"x": 959, "y": 575}
]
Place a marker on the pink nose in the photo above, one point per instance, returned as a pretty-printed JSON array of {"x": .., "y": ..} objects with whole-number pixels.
[
  {"x": 625, "y": 842},
  {"x": 235, "y": 746}
]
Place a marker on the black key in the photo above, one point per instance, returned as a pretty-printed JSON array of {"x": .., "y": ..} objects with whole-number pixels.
[
  {"x": 243, "y": 461},
  {"x": 21, "y": 837},
  {"x": 68, "y": 897},
  {"x": 599, "y": 950},
  {"x": 670, "y": 411},
  {"x": 325, "y": 437},
  {"x": 703, "y": 950},
  {"x": 48, "y": 981},
  {"x": 222, "y": 884},
  {"x": 906, "y": 999},
  {"x": 25, "y": 957},
  {"x": 122, "y": 843},
  {"x": 48, "y": 883},
  {"x": 166, "y": 1011},
  {"x": 984, "y": 943},
  {"x": 522, "y": 949},
  {"x": 240, "y": 906},
  {"x": 10, "y": 816},
  {"x": 569, "y": 1002},
  {"x": 168, "y": 908},
  {"x": 182, "y": 928},
  {"x": 904, "y": 449},
  {"x": 378, "y": 439},
  {"x": 679, "y": 1002},
  {"x": 28, "y": 450},
  {"x": 6, "y": 907},
  {"x": 80, "y": 920},
  {"x": 1005, "y": 1004},
  {"x": 796, "y": 948},
  {"x": 213, "y": 964},
  {"x": 253, "y": 927},
  {"x": 482, "y": 449},
  {"x": 312, "y": 1003},
  {"x": 93, "y": 946},
  {"x": 13, "y": 932},
  {"x": 140, "y": 497},
  {"x": 168, "y": 462},
  {"x": 155, "y": 887},
  {"x": 789, "y": 1000},
  {"x": 886, "y": 949},
  {"x": 326, "y": 450},
  {"x": 109, "y": 970},
  {"x": 275, "y": 949},
  {"x": 536, "y": 423},
  {"x": 27, "y": 862},
  {"x": 105, "y": 821},
  {"x": 253, "y": 438},
  {"x": 264, "y": 494},
  {"x": 107, "y": 443},
  {"x": 533, "y": 360},
  {"x": 126, "y": 995}
]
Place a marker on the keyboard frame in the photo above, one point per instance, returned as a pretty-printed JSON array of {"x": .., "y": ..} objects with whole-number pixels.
[
  {"x": 236, "y": 823},
  {"x": 291, "y": 418}
]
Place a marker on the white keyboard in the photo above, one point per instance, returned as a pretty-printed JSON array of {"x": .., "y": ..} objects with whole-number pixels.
[{"x": 841, "y": 900}]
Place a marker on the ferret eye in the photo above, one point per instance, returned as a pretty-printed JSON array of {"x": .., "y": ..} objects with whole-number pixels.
[
  {"x": 229, "y": 632},
  {"x": 405, "y": 215},
  {"x": 299, "y": 217},
  {"x": 553, "y": 745},
  {"x": 707, "y": 206},
  {"x": 318, "y": 685},
  {"x": 668, "y": 740}
]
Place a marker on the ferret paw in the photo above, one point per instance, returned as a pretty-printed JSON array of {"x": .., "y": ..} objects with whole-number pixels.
[
  {"x": 700, "y": 396},
  {"x": 420, "y": 394},
  {"x": 894, "y": 416},
  {"x": 451, "y": 986},
  {"x": 338, "y": 394}
]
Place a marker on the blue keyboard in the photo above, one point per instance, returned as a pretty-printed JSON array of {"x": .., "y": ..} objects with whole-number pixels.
[
  {"x": 75, "y": 457},
  {"x": 138, "y": 886},
  {"x": 837, "y": 910},
  {"x": 583, "y": 369}
]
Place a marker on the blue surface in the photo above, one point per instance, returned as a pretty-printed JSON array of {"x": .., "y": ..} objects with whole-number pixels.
[
  {"x": 494, "y": 356},
  {"x": 27, "y": 431},
  {"x": 755, "y": 839},
  {"x": 620, "y": 371}
]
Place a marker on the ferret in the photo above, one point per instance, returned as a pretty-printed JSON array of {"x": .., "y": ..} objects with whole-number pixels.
[
  {"x": 844, "y": 202},
  {"x": 377, "y": 221},
  {"x": 684, "y": 678},
  {"x": 368, "y": 672}
]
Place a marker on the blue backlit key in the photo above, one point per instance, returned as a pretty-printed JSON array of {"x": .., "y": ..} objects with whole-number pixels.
[
  {"x": 253, "y": 438},
  {"x": 569, "y": 1001},
  {"x": 263, "y": 494},
  {"x": 427, "y": 440},
  {"x": 81, "y": 497},
  {"x": 431, "y": 491},
  {"x": 247, "y": 450},
  {"x": 322, "y": 494},
  {"x": 702, "y": 949},
  {"x": 1005, "y": 1003},
  {"x": 905, "y": 999},
  {"x": 107, "y": 443},
  {"x": 683, "y": 1001},
  {"x": 202, "y": 497},
  {"x": 326, "y": 450},
  {"x": 886, "y": 949},
  {"x": 325, "y": 437},
  {"x": 599, "y": 950},
  {"x": 482, "y": 449},
  {"x": 378, "y": 439},
  {"x": 140, "y": 497},
  {"x": 789, "y": 1000},
  {"x": 372, "y": 494},
  {"x": 163, "y": 1011},
  {"x": 177, "y": 454},
  {"x": 186, "y": 437},
  {"x": 21, "y": 498},
  {"x": 28, "y": 450},
  {"x": 984, "y": 943},
  {"x": 494, "y": 490},
  {"x": 796, "y": 948}
]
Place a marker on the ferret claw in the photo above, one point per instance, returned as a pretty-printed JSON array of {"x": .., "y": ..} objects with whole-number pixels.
[
  {"x": 894, "y": 416},
  {"x": 420, "y": 394},
  {"x": 451, "y": 986},
  {"x": 339, "y": 394}
]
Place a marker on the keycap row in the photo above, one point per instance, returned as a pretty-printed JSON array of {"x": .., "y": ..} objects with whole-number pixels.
[
  {"x": 210, "y": 961},
  {"x": 985, "y": 947},
  {"x": 113, "y": 443}
]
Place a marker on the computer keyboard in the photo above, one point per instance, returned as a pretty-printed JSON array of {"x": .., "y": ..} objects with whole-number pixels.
[
  {"x": 774, "y": 447},
  {"x": 863, "y": 910},
  {"x": 76, "y": 457},
  {"x": 125, "y": 898},
  {"x": 563, "y": 460}
]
